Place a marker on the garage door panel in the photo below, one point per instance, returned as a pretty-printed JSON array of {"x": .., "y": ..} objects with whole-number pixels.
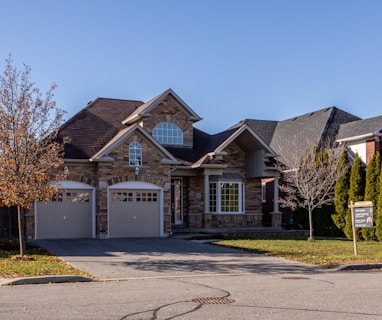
[
  {"x": 134, "y": 213},
  {"x": 67, "y": 215}
]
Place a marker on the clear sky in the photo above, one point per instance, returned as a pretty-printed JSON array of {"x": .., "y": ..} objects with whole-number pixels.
[{"x": 227, "y": 59}]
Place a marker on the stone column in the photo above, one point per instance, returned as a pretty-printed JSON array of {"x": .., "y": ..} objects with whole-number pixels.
[
  {"x": 206, "y": 214},
  {"x": 276, "y": 214},
  {"x": 206, "y": 193}
]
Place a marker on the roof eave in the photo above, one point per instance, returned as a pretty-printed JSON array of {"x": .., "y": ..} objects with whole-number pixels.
[
  {"x": 134, "y": 118},
  {"x": 66, "y": 160},
  {"x": 359, "y": 137},
  {"x": 210, "y": 166}
]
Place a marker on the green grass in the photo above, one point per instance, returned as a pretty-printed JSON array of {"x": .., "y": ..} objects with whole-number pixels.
[
  {"x": 329, "y": 253},
  {"x": 38, "y": 262}
]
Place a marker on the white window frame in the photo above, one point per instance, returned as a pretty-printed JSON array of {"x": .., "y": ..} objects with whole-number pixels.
[
  {"x": 135, "y": 154},
  {"x": 263, "y": 192},
  {"x": 215, "y": 200},
  {"x": 168, "y": 133}
]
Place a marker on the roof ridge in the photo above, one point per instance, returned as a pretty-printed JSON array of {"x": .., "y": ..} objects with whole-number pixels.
[
  {"x": 91, "y": 102},
  {"x": 310, "y": 113}
]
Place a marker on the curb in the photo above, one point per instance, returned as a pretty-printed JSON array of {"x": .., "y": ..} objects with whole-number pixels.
[
  {"x": 355, "y": 267},
  {"x": 44, "y": 280}
]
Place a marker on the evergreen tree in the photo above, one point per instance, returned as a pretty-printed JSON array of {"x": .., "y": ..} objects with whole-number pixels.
[
  {"x": 378, "y": 220},
  {"x": 356, "y": 191},
  {"x": 341, "y": 193},
  {"x": 372, "y": 191}
]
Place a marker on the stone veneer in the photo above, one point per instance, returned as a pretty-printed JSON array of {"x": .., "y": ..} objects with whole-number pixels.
[
  {"x": 101, "y": 175},
  {"x": 169, "y": 111}
]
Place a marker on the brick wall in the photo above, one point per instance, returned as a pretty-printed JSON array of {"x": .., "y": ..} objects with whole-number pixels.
[{"x": 371, "y": 147}]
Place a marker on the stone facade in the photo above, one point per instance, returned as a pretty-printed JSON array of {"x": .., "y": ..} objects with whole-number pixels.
[
  {"x": 169, "y": 110},
  {"x": 111, "y": 166}
]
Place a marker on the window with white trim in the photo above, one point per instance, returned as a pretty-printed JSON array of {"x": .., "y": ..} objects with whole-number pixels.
[
  {"x": 226, "y": 197},
  {"x": 168, "y": 133},
  {"x": 135, "y": 154},
  {"x": 264, "y": 192}
]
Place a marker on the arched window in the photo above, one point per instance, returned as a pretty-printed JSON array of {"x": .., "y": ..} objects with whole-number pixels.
[
  {"x": 135, "y": 154},
  {"x": 168, "y": 133}
]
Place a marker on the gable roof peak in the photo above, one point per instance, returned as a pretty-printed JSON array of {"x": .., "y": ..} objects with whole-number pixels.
[{"x": 144, "y": 109}]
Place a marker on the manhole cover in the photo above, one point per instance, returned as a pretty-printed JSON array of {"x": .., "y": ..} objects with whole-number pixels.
[{"x": 213, "y": 300}]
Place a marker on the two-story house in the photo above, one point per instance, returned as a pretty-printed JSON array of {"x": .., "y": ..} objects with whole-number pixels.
[{"x": 140, "y": 169}]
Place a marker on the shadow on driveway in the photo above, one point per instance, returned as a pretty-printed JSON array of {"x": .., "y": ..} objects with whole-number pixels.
[{"x": 153, "y": 257}]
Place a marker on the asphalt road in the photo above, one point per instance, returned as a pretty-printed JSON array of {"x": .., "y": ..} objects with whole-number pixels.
[
  {"x": 179, "y": 279},
  {"x": 337, "y": 295}
]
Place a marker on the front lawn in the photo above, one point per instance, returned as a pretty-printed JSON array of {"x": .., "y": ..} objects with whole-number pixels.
[
  {"x": 38, "y": 262},
  {"x": 329, "y": 253}
]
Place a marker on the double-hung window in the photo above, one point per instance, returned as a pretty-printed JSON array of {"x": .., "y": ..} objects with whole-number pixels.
[{"x": 135, "y": 154}]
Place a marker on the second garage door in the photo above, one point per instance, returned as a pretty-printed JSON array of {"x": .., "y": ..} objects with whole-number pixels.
[{"x": 134, "y": 213}]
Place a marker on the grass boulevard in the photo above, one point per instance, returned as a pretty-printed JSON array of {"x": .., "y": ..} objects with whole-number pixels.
[{"x": 329, "y": 253}]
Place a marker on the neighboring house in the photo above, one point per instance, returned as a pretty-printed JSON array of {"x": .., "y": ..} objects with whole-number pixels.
[
  {"x": 141, "y": 169},
  {"x": 293, "y": 136},
  {"x": 362, "y": 137}
]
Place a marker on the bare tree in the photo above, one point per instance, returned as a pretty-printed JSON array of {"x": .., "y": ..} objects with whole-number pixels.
[
  {"x": 309, "y": 179},
  {"x": 28, "y": 152}
]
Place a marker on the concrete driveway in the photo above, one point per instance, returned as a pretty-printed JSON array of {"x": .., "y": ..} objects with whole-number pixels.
[{"x": 155, "y": 257}]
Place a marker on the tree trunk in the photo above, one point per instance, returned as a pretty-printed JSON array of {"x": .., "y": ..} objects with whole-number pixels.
[
  {"x": 10, "y": 229},
  {"x": 20, "y": 214},
  {"x": 311, "y": 238}
]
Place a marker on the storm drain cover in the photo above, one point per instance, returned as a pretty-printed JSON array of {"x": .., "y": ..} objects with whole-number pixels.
[{"x": 213, "y": 300}]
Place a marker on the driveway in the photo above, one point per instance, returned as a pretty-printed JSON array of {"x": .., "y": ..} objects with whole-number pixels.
[{"x": 156, "y": 257}]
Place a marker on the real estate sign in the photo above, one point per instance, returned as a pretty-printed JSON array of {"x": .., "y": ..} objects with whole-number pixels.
[{"x": 363, "y": 217}]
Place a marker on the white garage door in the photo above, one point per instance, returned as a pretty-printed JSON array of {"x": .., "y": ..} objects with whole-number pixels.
[
  {"x": 134, "y": 213},
  {"x": 67, "y": 215}
]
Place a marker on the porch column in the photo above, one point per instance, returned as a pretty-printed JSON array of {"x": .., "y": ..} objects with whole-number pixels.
[
  {"x": 207, "y": 218},
  {"x": 276, "y": 214},
  {"x": 206, "y": 193}
]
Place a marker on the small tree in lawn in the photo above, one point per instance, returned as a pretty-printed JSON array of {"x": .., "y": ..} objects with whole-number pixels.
[
  {"x": 378, "y": 220},
  {"x": 372, "y": 191},
  {"x": 28, "y": 153},
  {"x": 309, "y": 180},
  {"x": 356, "y": 191},
  {"x": 341, "y": 192}
]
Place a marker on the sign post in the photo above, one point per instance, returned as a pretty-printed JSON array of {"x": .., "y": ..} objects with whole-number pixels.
[{"x": 362, "y": 217}]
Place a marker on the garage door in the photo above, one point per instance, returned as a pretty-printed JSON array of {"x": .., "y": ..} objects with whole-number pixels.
[
  {"x": 134, "y": 213},
  {"x": 67, "y": 215}
]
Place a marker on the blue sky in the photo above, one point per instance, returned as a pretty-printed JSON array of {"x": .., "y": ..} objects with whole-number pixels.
[{"x": 227, "y": 59}]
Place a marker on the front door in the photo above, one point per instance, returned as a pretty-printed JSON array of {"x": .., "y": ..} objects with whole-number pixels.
[{"x": 176, "y": 201}]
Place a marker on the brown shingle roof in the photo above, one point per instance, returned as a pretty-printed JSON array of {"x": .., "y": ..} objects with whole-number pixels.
[
  {"x": 94, "y": 126},
  {"x": 113, "y": 111}
]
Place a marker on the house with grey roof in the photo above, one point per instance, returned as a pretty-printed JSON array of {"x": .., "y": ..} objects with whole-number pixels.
[
  {"x": 362, "y": 137},
  {"x": 292, "y": 137},
  {"x": 295, "y": 135}
]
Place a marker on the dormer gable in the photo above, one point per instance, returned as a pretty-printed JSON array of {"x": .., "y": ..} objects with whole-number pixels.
[
  {"x": 145, "y": 110},
  {"x": 167, "y": 118},
  {"x": 103, "y": 154}
]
